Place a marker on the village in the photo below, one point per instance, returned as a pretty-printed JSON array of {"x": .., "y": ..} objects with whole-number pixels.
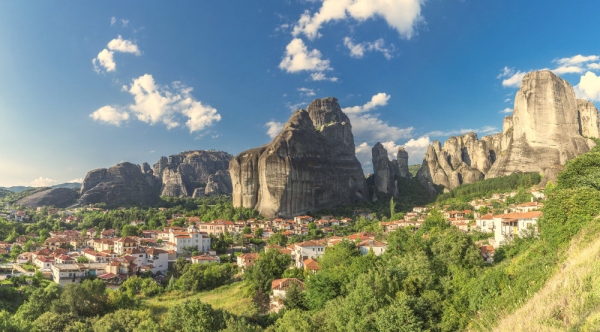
[{"x": 71, "y": 256}]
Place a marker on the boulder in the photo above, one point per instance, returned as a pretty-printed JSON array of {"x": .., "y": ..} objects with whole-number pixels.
[
  {"x": 119, "y": 185},
  {"x": 309, "y": 166},
  {"x": 57, "y": 197}
]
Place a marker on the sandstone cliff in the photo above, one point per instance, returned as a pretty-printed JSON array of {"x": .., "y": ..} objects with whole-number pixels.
[
  {"x": 122, "y": 184},
  {"x": 309, "y": 166},
  {"x": 182, "y": 174},
  {"x": 547, "y": 129},
  {"x": 384, "y": 171}
]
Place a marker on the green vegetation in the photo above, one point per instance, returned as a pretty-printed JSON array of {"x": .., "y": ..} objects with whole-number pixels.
[
  {"x": 413, "y": 169},
  {"x": 486, "y": 188}
]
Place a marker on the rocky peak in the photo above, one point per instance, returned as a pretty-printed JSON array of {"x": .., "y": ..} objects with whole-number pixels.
[
  {"x": 309, "y": 166},
  {"x": 384, "y": 171},
  {"x": 402, "y": 159}
]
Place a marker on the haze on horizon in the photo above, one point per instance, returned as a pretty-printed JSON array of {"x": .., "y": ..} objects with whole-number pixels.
[{"x": 87, "y": 85}]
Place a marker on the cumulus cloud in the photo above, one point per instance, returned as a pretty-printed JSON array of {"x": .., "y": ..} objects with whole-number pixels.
[
  {"x": 105, "y": 59},
  {"x": 380, "y": 99},
  {"x": 588, "y": 87},
  {"x": 43, "y": 182},
  {"x": 364, "y": 156},
  {"x": 593, "y": 66},
  {"x": 110, "y": 115},
  {"x": 576, "y": 60},
  {"x": 401, "y": 15},
  {"x": 273, "y": 128},
  {"x": 113, "y": 20},
  {"x": 359, "y": 50},
  {"x": 319, "y": 76},
  {"x": 507, "y": 110},
  {"x": 123, "y": 45},
  {"x": 567, "y": 70},
  {"x": 306, "y": 92},
  {"x": 514, "y": 80},
  {"x": 416, "y": 149},
  {"x": 154, "y": 103},
  {"x": 369, "y": 127},
  {"x": 298, "y": 58},
  {"x": 77, "y": 180}
]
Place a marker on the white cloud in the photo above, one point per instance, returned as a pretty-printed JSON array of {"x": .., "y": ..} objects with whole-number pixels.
[
  {"x": 77, "y": 180},
  {"x": 507, "y": 110},
  {"x": 113, "y": 20},
  {"x": 588, "y": 87},
  {"x": 125, "y": 22},
  {"x": 274, "y": 128},
  {"x": 364, "y": 156},
  {"x": 380, "y": 99},
  {"x": 110, "y": 115},
  {"x": 401, "y": 15},
  {"x": 319, "y": 76},
  {"x": 297, "y": 58},
  {"x": 154, "y": 103},
  {"x": 358, "y": 50},
  {"x": 506, "y": 72},
  {"x": 123, "y": 45},
  {"x": 567, "y": 70},
  {"x": 514, "y": 80},
  {"x": 43, "y": 182},
  {"x": 369, "y": 127},
  {"x": 105, "y": 58},
  {"x": 593, "y": 66},
  {"x": 576, "y": 60},
  {"x": 306, "y": 92},
  {"x": 416, "y": 149},
  {"x": 507, "y": 100},
  {"x": 483, "y": 130}
]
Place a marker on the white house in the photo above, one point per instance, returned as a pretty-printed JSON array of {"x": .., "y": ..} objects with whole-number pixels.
[
  {"x": 485, "y": 223},
  {"x": 178, "y": 240},
  {"x": 65, "y": 273},
  {"x": 280, "y": 287},
  {"x": 514, "y": 224},
  {"x": 368, "y": 245},
  {"x": 308, "y": 249}
]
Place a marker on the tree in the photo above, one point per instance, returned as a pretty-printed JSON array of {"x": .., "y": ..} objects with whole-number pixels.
[
  {"x": 124, "y": 320},
  {"x": 269, "y": 265},
  {"x": 82, "y": 259},
  {"x": 129, "y": 230},
  {"x": 193, "y": 315},
  {"x": 278, "y": 239},
  {"x": 247, "y": 230},
  {"x": 294, "y": 297},
  {"x": 87, "y": 299},
  {"x": 7, "y": 322},
  {"x": 180, "y": 264},
  {"x": 258, "y": 232},
  {"x": 295, "y": 321}
]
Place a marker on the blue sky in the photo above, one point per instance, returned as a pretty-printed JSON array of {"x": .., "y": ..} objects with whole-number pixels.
[{"x": 85, "y": 85}]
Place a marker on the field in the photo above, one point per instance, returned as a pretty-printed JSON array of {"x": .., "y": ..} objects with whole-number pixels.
[{"x": 229, "y": 298}]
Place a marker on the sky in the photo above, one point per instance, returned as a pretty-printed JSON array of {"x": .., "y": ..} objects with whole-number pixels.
[{"x": 85, "y": 85}]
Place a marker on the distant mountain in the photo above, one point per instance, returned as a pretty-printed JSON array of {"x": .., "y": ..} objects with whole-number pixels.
[{"x": 18, "y": 189}]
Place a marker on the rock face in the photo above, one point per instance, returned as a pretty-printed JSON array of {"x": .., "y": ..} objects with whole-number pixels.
[
  {"x": 309, "y": 166},
  {"x": 384, "y": 171},
  {"x": 218, "y": 184},
  {"x": 402, "y": 159},
  {"x": 122, "y": 184},
  {"x": 544, "y": 132},
  {"x": 182, "y": 174},
  {"x": 58, "y": 197}
]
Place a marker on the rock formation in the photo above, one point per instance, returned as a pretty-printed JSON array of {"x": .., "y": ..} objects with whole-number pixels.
[
  {"x": 57, "y": 197},
  {"x": 218, "y": 184},
  {"x": 122, "y": 184},
  {"x": 402, "y": 160},
  {"x": 182, "y": 174},
  {"x": 384, "y": 171},
  {"x": 547, "y": 129},
  {"x": 309, "y": 166}
]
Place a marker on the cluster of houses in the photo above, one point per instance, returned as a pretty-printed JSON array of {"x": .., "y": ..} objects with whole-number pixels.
[{"x": 15, "y": 215}]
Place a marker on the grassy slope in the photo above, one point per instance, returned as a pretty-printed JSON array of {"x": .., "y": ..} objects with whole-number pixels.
[
  {"x": 229, "y": 297},
  {"x": 570, "y": 300}
]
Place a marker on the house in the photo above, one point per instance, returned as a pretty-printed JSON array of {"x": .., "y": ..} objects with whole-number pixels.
[
  {"x": 308, "y": 249},
  {"x": 303, "y": 219},
  {"x": 368, "y": 245},
  {"x": 419, "y": 209},
  {"x": 485, "y": 223},
  {"x": 66, "y": 273},
  {"x": 44, "y": 263},
  {"x": 217, "y": 227},
  {"x": 311, "y": 265},
  {"x": 246, "y": 260},
  {"x": 487, "y": 253},
  {"x": 529, "y": 206},
  {"x": 158, "y": 259},
  {"x": 515, "y": 224},
  {"x": 137, "y": 223},
  {"x": 125, "y": 244},
  {"x": 103, "y": 244},
  {"x": 108, "y": 234},
  {"x": 279, "y": 288},
  {"x": 205, "y": 259},
  {"x": 64, "y": 259},
  {"x": 389, "y": 226},
  {"x": 179, "y": 241}
]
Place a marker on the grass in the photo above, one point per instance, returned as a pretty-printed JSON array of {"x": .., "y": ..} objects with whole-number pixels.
[
  {"x": 230, "y": 298},
  {"x": 570, "y": 300}
]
